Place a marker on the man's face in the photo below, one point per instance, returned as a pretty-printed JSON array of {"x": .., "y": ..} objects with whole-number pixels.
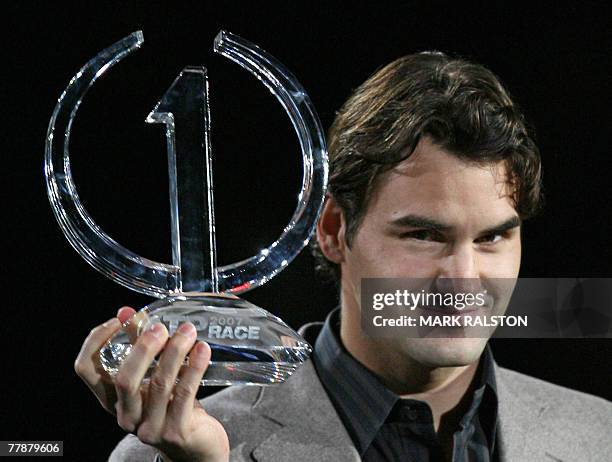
[{"x": 436, "y": 216}]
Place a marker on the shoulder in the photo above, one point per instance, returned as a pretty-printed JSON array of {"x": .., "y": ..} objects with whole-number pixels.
[
  {"x": 236, "y": 408},
  {"x": 237, "y": 399},
  {"x": 249, "y": 414},
  {"x": 571, "y": 413},
  {"x": 563, "y": 399}
]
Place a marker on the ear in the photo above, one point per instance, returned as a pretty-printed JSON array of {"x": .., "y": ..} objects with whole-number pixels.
[{"x": 330, "y": 231}]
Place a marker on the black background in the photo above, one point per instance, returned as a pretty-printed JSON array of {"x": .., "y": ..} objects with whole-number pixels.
[{"x": 555, "y": 61}]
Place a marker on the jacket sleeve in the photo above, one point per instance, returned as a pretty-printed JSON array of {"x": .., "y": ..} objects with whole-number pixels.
[{"x": 131, "y": 449}]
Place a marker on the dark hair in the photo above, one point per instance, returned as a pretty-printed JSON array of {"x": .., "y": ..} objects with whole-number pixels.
[{"x": 461, "y": 106}]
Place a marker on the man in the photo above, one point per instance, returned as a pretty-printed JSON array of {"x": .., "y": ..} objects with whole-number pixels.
[{"x": 432, "y": 172}]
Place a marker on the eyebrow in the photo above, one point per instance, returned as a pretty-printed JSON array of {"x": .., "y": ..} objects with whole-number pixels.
[
  {"x": 510, "y": 223},
  {"x": 417, "y": 221}
]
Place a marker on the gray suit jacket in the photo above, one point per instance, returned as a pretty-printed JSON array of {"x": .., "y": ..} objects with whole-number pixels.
[{"x": 296, "y": 422}]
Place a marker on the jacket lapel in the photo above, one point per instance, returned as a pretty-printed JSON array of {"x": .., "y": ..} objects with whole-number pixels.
[{"x": 310, "y": 430}]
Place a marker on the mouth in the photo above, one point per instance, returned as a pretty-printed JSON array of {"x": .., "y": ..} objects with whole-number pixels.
[
  {"x": 459, "y": 310},
  {"x": 450, "y": 310}
]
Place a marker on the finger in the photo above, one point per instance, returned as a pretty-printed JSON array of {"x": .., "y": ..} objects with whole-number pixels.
[
  {"x": 87, "y": 363},
  {"x": 125, "y": 313},
  {"x": 132, "y": 321},
  {"x": 131, "y": 373},
  {"x": 163, "y": 380},
  {"x": 190, "y": 378}
]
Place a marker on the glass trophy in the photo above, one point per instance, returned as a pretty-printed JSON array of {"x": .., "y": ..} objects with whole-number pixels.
[{"x": 249, "y": 345}]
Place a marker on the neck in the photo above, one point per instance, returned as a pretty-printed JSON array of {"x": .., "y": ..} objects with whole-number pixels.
[{"x": 447, "y": 390}]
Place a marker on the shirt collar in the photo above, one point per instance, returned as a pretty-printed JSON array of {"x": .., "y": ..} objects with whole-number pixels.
[{"x": 364, "y": 403}]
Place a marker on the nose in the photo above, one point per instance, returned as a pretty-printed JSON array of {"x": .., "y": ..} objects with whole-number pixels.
[
  {"x": 460, "y": 263},
  {"x": 459, "y": 270}
]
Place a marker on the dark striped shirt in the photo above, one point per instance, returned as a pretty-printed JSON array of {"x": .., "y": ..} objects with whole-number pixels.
[{"x": 385, "y": 427}]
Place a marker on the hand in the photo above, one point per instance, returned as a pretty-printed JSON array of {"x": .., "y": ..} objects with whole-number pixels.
[{"x": 163, "y": 413}]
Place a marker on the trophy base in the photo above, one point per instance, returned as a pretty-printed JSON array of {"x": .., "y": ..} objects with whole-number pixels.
[{"x": 249, "y": 345}]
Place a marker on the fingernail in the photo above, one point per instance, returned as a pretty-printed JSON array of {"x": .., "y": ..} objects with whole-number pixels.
[
  {"x": 201, "y": 348},
  {"x": 186, "y": 329},
  {"x": 121, "y": 309},
  {"x": 156, "y": 329},
  {"x": 197, "y": 359}
]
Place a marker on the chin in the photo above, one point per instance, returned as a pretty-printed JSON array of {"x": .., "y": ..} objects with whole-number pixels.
[{"x": 444, "y": 352}]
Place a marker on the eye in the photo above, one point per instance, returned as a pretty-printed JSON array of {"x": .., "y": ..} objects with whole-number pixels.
[
  {"x": 423, "y": 235},
  {"x": 490, "y": 238}
]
